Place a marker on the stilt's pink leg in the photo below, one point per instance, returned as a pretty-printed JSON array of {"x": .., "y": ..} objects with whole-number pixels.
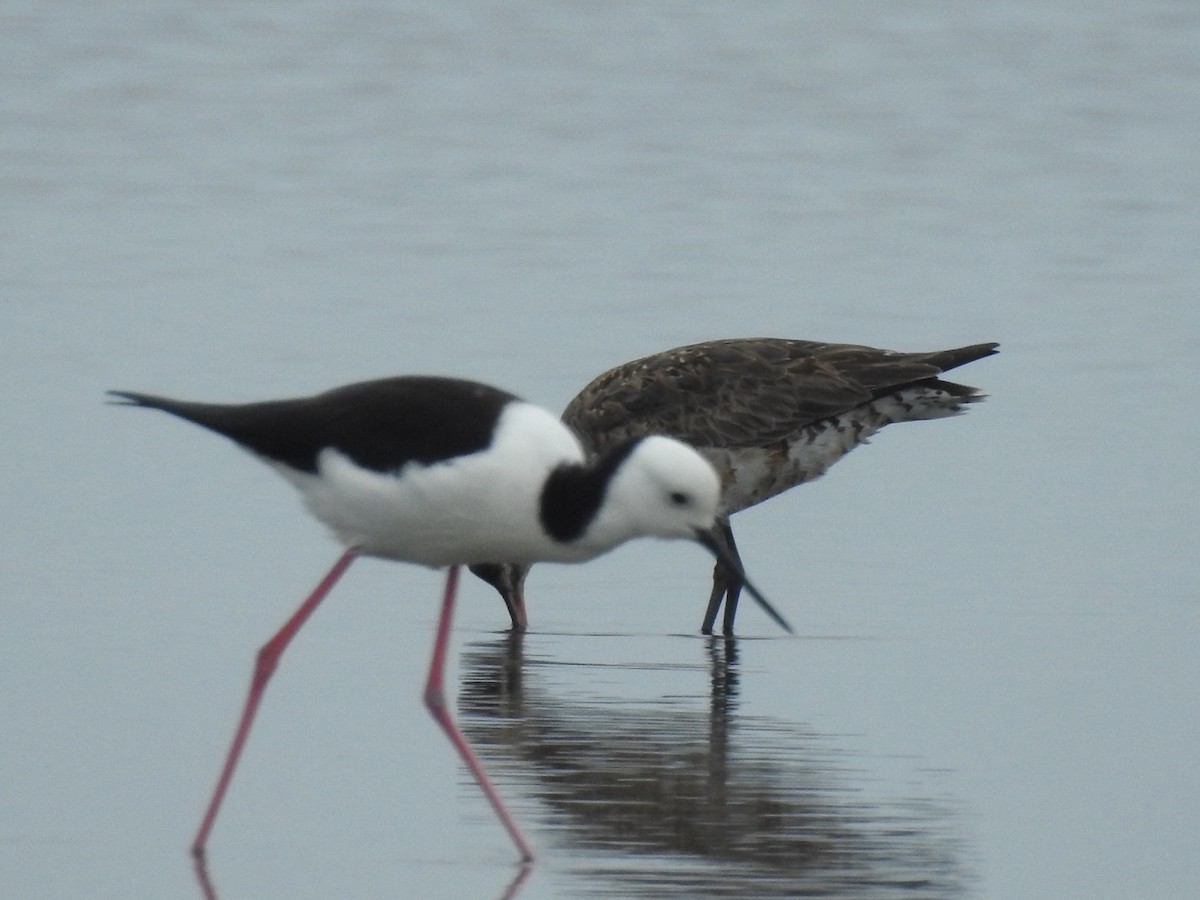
[
  {"x": 435, "y": 700},
  {"x": 264, "y": 667}
]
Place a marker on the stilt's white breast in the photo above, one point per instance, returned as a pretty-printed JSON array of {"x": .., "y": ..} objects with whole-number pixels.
[{"x": 481, "y": 507}]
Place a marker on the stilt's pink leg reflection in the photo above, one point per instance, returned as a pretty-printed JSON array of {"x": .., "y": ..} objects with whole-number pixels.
[
  {"x": 209, "y": 892},
  {"x": 200, "y": 867},
  {"x": 514, "y": 886},
  {"x": 435, "y": 700}
]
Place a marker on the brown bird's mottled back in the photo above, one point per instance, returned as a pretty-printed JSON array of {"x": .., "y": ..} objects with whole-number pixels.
[{"x": 768, "y": 413}]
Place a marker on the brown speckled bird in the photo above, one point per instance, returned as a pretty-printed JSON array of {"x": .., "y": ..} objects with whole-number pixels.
[{"x": 768, "y": 413}]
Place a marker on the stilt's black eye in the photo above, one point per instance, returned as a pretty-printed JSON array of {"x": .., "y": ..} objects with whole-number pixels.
[{"x": 679, "y": 498}]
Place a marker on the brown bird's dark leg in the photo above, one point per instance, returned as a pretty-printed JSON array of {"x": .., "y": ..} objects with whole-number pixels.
[
  {"x": 733, "y": 589},
  {"x": 509, "y": 581},
  {"x": 725, "y": 583}
]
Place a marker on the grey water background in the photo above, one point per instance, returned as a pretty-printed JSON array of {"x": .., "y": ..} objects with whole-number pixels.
[{"x": 995, "y": 686}]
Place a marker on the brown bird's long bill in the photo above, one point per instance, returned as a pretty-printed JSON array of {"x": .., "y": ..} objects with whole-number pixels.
[{"x": 716, "y": 548}]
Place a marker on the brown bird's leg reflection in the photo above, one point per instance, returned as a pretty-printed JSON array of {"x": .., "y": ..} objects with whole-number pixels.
[
  {"x": 514, "y": 658},
  {"x": 723, "y": 669},
  {"x": 723, "y": 676}
]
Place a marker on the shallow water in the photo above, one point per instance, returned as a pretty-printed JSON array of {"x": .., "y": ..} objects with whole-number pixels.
[
  {"x": 992, "y": 692},
  {"x": 686, "y": 795}
]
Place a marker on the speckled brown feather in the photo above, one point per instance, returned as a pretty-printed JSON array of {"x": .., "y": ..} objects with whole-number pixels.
[{"x": 749, "y": 392}]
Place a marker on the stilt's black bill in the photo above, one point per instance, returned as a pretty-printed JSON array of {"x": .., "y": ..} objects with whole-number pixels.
[{"x": 717, "y": 549}]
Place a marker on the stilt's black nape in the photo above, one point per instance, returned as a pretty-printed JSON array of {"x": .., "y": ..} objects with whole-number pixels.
[{"x": 710, "y": 540}]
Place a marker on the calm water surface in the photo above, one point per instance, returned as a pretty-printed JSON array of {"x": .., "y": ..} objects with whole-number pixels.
[{"x": 994, "y": 685}]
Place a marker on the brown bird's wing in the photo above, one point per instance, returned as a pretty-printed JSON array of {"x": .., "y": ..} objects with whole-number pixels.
[{"x": 745, "y": 392}]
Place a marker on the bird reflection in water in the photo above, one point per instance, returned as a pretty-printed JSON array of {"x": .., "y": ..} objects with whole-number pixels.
[{"x": 654, "y": 799}]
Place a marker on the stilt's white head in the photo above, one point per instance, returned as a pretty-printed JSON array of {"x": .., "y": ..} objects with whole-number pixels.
[{"x": 664, "y": 488}]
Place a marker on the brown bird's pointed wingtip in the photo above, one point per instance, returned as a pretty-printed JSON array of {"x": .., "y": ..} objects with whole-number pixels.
[
  {"x": 972, "y": 352},
  {"x": 120, "y": 398},
  {"x": 130, "y": 398},
  {"x": 945, "y": 360},
  {"x": 135, "y": 398}
]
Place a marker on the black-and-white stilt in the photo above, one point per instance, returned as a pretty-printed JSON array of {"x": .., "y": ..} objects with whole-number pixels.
[
  {"x": 444, "y": 472},
  {"x": 768, "y": 413}
]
